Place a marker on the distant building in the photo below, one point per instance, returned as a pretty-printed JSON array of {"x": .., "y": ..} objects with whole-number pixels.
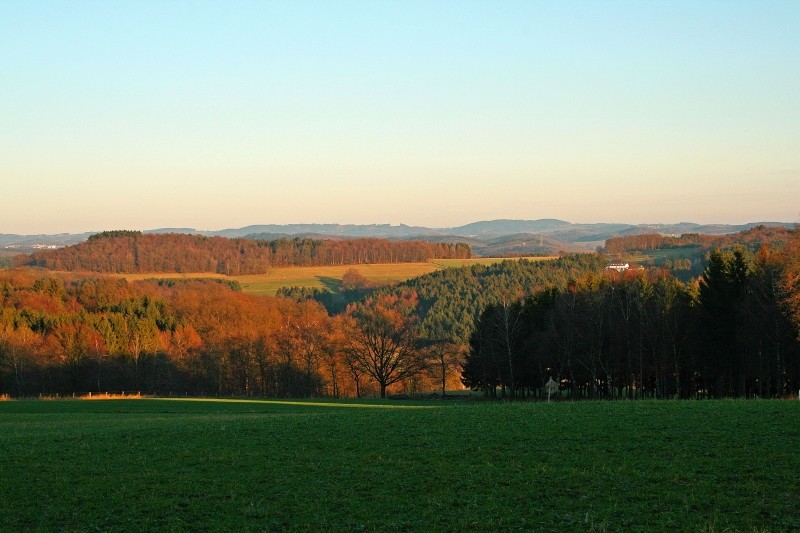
[{"x": 619, "y": 266}]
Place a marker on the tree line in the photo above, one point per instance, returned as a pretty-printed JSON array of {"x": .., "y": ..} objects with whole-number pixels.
[
  {"x": 135, "y": 252},
  {"x": 751, "y": 239},
  {"x": 504, "y": 328},
  {"x": 732, "y": 333},
  {"x": 70, "y": 333},
  {"x": 81, "y": 333}
]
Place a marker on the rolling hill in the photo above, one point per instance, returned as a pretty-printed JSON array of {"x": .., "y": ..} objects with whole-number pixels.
[{"x": 486, "y": 238}]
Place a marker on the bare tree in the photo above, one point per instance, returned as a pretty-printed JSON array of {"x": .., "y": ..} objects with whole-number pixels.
[
  {"x": 444, "y": 357},
  {"x": 383, "y": 341}
]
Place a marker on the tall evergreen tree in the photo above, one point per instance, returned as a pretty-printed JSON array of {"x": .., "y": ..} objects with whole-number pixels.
[{"x": 722, "y": 290}]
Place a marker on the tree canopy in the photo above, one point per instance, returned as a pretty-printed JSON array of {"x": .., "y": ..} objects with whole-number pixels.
[
  {"x": 596, "y": 332},
  {"x": 134, "y": 252},
  {"x": 646, "y": 334}
]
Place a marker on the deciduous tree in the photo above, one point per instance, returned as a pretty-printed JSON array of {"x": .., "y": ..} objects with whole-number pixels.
[{"x": 383, "y": 339}]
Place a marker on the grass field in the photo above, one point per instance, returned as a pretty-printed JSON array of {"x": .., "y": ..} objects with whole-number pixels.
[
  {"x": 329, "y": 276},
  {"x": 657, "y": 257},
  {"x": 180, "y": 465}
]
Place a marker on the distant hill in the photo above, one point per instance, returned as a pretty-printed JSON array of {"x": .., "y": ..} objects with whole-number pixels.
[
  {"x": 9, "y": 240},
  {"x": 487, "y": 238},
  {"x": 751, "y": 238},
  {"x": 332, "y": 230},
  {"x": 495, "y": 228},
  {"x": 686, "y": 255},
  {"x": 137, "y": 252}
]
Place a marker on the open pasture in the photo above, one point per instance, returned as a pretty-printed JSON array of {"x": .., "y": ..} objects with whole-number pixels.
[
  {"x": 148, "y": 464},
  {"x": 327, "y": 276},
  {"x": 657, "y": 257}
]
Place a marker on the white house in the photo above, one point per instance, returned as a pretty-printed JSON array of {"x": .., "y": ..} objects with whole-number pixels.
[{"x": 618, "y": 266}]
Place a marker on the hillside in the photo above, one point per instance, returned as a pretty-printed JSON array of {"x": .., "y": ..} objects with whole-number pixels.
[
  {"x": 752, "y": 238},
  {"x": 452, "y": 299},
  {"x": 558, "y": 235},
  {"x": 686, "y": 254},
  {"x": 134, "y": 252}
]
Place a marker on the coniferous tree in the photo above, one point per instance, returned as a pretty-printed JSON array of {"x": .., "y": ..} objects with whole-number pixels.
[{"x": 722, "y": 288}]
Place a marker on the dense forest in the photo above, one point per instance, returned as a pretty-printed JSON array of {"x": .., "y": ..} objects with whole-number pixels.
[
  {"x": 71, "y": 332},
  {"x": 66, "y": 334},
  {"x": 452, "y": 299},
  {"x": 751, "y": 239},
  {"x": 134, "y": 252},
  {"x": 732, "y": 333},
  {"x": 505, "y": 329}
]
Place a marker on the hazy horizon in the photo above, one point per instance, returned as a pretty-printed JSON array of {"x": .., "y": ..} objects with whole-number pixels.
[
  {"x": 223, "y": 228},
  {"x": 207, "y": 115}
]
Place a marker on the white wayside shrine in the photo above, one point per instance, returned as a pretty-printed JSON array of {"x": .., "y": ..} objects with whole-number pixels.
[{"x": 551, "y": 387}]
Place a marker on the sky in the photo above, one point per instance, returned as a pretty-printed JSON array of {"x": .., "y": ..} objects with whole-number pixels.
[{"x": 149, "y": 114}]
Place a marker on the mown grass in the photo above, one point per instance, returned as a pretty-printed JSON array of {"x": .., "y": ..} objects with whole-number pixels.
[
  {"x": 328, "y": 276},
  {"x": 132, "y": 465}
]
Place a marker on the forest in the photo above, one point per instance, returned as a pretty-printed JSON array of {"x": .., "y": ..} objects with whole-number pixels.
[
  {"x": 648, "y": 335},
  {"x": 81, "y": 334},
  {"x": 135, "y": 252},
  {"x": 751, "y": 239},
  {"x": 504, "y": 329}
]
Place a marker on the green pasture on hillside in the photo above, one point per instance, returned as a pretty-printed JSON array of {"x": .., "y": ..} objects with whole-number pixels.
[
  {"x": 657, "y": 257},
  {"x": 184, "y": 465}
]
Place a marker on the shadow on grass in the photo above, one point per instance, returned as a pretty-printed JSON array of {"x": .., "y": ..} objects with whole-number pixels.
[
  {"x": 296, "y": 403},
  {"x": 332, "y": 284}
]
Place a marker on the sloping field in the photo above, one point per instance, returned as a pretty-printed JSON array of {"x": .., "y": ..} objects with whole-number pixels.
[
  {"x": 329, "y": 276},
  {"x": 217, "y": 465}
]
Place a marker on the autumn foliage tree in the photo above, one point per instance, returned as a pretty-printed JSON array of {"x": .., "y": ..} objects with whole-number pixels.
[
  {"x": 790, "y": 283},
  {"x": 383, "y": 340},
  {"x": 135, "y": 252},
  {"x": 82, "y": 334},
  {"x": 598, "y": 333},
  {"x": 751, "y": 239}
]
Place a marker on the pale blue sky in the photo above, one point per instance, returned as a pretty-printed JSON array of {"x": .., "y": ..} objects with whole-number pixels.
[{"x": 145, "y": 114}]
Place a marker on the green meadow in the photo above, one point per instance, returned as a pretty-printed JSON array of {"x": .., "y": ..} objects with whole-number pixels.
[{"x": 193, "y": 465}]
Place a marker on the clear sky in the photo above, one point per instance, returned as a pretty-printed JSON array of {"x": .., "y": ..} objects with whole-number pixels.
[{"x": 145, "y": 114}]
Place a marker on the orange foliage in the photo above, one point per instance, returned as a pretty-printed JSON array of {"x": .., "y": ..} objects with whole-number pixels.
[
  {"x": 77, "y": 333},
  {"x": 133, "y": 252},
  {"x": 756, "y": 237}
]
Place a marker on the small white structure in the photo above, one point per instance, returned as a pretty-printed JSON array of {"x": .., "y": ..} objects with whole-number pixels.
[
  {"x": 551, "y": 387},
  {"x": 618, "y": 266}
]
